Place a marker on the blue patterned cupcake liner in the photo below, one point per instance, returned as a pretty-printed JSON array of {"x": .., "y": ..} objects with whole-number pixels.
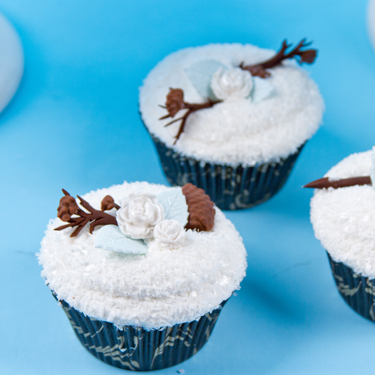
[
  {"x": 134, "y": 348},
  {"x": 357, "y": 291},
  {"x": 230, "y": 188}
]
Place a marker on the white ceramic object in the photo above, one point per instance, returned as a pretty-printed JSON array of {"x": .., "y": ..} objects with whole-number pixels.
[
  {"x": 11, "y": 62},
  {"x": 371, "y": 21}
]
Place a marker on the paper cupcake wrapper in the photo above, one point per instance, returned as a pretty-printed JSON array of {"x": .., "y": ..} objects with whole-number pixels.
[
  {"x": 357, "y": 291},
  {"x": 230, "y": 188},
  {"x": 134, "y": 348}
]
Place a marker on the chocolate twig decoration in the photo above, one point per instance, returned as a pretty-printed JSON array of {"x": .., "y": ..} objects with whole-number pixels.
[
  {"x": 175, "y": 98},
  {"x": 175, "y": 103},
  {"x": 68, "y": 207},
  {"x": 325, "y": 183},
  {"x": 200, "y": 207},
  {"x": 302, "y": 56}
]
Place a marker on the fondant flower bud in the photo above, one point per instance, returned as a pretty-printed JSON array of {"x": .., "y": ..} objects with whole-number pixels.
[
  {"x": 108, "y": 203},
  {"x": 169, "y": 234},
  {"x": 307, "y": 56}
]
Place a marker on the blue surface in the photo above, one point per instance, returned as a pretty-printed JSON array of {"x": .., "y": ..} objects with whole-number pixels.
[{"x": 74, "y": 124}]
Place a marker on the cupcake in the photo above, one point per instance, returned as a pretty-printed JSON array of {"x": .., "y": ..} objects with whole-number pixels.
[
  {"x": 142, "y": 271},
  {"x": 343, "y": 217},
  {"x": 231, "y": 118}
]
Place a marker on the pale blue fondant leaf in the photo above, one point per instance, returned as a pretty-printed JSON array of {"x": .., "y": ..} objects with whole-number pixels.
[
  {"x": 262, "y": 90},
  {"x": 200, "y": 74},
  {"x": 373, "y": 167},
  {"x": 110, "y": 237},
  {"x": 174, "y": 203}
]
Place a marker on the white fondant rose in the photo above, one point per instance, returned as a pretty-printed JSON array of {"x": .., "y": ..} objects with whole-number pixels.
[
  {"x": 231, "y": 83},
  {"x": 138, "y": 216},
  {"x": 169, "y": 234}
]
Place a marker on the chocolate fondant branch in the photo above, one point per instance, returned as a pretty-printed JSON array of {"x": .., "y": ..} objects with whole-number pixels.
[
  {"x": 173, "y": 121},
  {"x": 325, "y": 183},
  {"x": 182, "y": 126},
  {"x": 307, "y": 56},
  {"x": 165, "y": 117},
  {"x": 175, "y": 103},
  {"x": 68, "y": 207},
  {"x": 85, "y": 204}
]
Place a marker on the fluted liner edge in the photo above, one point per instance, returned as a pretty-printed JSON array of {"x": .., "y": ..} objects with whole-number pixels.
[
  {"x": 134, "y": 348},
  {"x": 357, "y": 291},
  {"x": 230, "y": 188}
]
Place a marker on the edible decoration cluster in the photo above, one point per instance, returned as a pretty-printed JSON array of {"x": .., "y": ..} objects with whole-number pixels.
[
  {"x": 141, "y": 218},
  {"x": 326, "y": 182},
  {"x": 217, "y": 82}
]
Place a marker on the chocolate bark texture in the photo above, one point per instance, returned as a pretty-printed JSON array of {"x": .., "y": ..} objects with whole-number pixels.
[{"x": 326, "y": 182}]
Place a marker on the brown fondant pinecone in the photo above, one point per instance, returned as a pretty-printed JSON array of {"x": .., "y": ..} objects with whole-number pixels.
[{"x": 201, "y": 208}]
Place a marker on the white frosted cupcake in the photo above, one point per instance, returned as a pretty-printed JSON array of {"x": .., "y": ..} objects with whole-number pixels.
[
  {"x": 343, "y": 217},
  {"x": 143, "y": 291},
  {"x": 238, "y": 117}
]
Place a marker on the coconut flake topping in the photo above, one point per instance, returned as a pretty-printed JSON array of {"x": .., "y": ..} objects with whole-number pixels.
[
  {"x": 160, "y": 288},
  {"x": 344, "y": 218},
  {"x": 239, "y": 131}
]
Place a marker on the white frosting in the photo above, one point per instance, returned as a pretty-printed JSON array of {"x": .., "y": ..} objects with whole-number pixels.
[
  {"x": 161, "y": 288},
  {"x": 372, "y": 174},
  {"x": 344, "y": 218},
  {"x": 138, "y": 216},
  {"x": 233, "y": 83},
  {"x": 169, "y": 234},
  {"x": 236, "y": 131}
]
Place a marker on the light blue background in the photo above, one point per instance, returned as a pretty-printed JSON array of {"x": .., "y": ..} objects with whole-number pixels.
[{"x": 74, "y": 124}]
